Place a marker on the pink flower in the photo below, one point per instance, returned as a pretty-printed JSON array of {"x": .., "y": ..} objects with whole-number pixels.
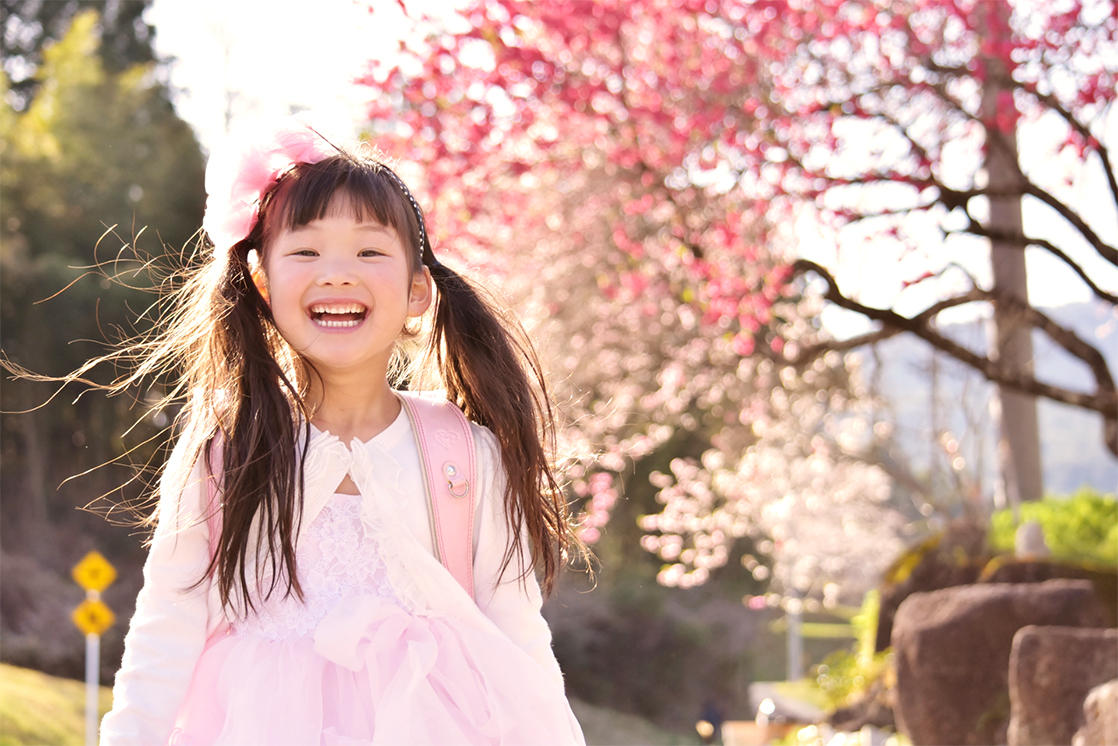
[{"x": 245, "y": 166}]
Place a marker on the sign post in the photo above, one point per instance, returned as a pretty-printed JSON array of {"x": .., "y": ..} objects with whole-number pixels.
[{"x": 93, "y": 617}]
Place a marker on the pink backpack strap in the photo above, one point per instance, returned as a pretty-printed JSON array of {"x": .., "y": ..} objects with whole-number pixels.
[{"x": 447, "y": 457}]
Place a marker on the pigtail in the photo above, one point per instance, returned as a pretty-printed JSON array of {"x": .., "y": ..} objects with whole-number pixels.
[
  {"x": 261, "y": 480},
  {"x": 490, "y": 369}
]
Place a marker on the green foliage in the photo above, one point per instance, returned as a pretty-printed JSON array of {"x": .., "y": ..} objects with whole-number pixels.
[
  {"x": 846, "y": 674},
  {"x": 96, "y": 171},
  {"x": 1082, "y": 527},
  {"x": 95, "y": 149},
  {"x": 31, "y": 25}
]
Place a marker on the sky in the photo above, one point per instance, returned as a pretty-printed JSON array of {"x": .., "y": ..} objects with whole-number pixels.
[
  {"x": 271, "y": 57},
  {"x": 253, "y": 58}
]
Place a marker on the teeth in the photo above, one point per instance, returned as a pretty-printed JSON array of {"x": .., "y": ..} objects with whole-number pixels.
[
  {"x": 350, "y": 308},
  {"x": 324, "y": 322}
]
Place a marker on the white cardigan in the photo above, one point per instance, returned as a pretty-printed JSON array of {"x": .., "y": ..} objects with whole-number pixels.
[{"x": 171, "y": 624}]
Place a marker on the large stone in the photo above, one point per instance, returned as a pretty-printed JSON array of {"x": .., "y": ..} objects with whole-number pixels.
[
  {"x": 1051, "y": 671},
  {"x": 952, "y": 651},
  {"x": 1105, "y": 579},
  {"x": 1100, "y": 712}
]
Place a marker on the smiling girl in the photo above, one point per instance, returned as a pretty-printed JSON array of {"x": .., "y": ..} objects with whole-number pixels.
[{"x": 292, "y": 594}]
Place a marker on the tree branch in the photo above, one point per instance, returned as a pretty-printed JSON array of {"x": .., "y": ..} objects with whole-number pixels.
[
  {"x": 808, "y": 353},
  {"x": 1104, "y": 400},
  {"x": 1106, "y": 251},
  {"x": 1055, "y": 105},
  {"x": 1023, "y": 241}
]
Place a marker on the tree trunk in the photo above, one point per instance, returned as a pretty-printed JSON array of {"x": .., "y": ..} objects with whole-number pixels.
[
  {"x": 1019, "y": 434},
  {"x": 31, "y": 516}
]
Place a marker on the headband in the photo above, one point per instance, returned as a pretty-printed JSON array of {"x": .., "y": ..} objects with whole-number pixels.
[{"x": 243, "y": 168}]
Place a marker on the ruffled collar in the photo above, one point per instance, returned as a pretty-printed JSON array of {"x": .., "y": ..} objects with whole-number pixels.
[
  {"x": 372, "y": 464},
  {"x": 385, "y": 440}
]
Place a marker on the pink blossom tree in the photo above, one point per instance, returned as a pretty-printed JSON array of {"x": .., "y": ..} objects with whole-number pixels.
[{"x": 637, "y": 173}]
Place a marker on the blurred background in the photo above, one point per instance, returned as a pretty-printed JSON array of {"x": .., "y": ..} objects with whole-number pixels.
[{"x": 826, "y": 291}]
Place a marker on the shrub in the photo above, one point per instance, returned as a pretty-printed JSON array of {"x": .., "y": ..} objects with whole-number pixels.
[{"x": 1082, "y": 527}]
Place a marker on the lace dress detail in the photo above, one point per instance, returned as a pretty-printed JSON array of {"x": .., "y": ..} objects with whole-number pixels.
[{"x": 337, "y": 559}]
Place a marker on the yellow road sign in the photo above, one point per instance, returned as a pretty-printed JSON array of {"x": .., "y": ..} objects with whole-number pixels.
[
  {"x": 93, "y": 617},
  {"x": 94, "y": 573}
]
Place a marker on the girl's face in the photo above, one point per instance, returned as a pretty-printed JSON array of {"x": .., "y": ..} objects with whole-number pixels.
[{"x": 340, "y": 291}]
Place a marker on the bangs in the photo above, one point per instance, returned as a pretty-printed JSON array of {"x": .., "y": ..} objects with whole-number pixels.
[{"x": 343, "y": 183}]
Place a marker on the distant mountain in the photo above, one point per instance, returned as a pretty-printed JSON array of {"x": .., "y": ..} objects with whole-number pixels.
[{"x": 902, "y": 370}]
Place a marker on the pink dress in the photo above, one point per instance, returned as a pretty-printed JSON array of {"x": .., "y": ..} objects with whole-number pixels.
[{"x": 353, "y": 664}]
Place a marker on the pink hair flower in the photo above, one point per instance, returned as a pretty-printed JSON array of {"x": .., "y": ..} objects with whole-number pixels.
[{"x": 245, "y": 166}]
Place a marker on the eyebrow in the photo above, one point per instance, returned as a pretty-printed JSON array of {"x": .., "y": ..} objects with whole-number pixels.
[
  {"x": 367, "y": 226},
  {"x": 375, "y": 227}
]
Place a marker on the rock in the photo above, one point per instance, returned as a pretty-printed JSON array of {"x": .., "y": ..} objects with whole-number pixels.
[
  {"x": 1010, "y": 570},
  {"x": 1051, "y": 671},
  {"x": 952, "y": 558},
  {"x": 952, "y": 651},
  {"x": 1100, "y": 711}
]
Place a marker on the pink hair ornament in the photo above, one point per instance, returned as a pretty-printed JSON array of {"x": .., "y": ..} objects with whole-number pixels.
[{"x": 245, "y": 166}]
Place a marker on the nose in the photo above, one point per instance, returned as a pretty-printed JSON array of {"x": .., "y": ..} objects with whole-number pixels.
[{"x": 336, "y": 272}]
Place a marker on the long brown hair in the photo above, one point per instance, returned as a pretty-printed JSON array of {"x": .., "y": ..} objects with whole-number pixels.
[{"x": 245, "y": 386}]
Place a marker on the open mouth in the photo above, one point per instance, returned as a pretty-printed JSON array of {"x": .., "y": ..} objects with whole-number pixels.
[{"x": 338, "y": 316}]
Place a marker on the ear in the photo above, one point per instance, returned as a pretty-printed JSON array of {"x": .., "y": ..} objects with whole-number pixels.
[
  {"x": 259, "y": 279},
  {"x": 421, "y": 293}
]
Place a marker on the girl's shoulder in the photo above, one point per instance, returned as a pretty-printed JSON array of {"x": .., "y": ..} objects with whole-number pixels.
[
  {"x": 425, "y": 405},
  {"x": 486, "y": 441}
]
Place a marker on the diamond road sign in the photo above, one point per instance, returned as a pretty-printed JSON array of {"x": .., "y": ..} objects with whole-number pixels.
[
  {"x": 94, "y": 573},
  {"x": 93, "y": 617}
]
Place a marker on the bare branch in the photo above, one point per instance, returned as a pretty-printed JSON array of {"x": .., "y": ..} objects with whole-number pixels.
[
  {"x": 1067, "y": 339},
  {"x": 1105, "y": 250},
  {"x": 1104, "y": 400},
  {"x": 1055, "y": 105},
  {"x": 1023, "y": 241},
  {"x": 808, "y": 353}
]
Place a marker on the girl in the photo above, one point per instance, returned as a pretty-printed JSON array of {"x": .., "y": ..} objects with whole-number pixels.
[{"x": 291, "y": 594}]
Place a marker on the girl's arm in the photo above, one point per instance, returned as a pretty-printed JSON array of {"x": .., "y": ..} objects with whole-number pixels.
[
  {"x": 512, "y": 600},
  {"x": 168, "y": 630}
]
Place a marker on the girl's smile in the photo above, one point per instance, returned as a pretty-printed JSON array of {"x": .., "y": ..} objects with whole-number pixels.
[{"x": 338, "y": 315}]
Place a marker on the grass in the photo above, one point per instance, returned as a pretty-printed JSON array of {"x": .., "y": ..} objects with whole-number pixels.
[
  {"x": 805, "y": 690},
  {"x": 41, "y": 710},
  {"x": 604, "y": 727}
]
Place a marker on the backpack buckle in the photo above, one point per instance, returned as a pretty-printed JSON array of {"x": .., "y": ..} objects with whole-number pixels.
[{"x": 459, "y": 486}]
